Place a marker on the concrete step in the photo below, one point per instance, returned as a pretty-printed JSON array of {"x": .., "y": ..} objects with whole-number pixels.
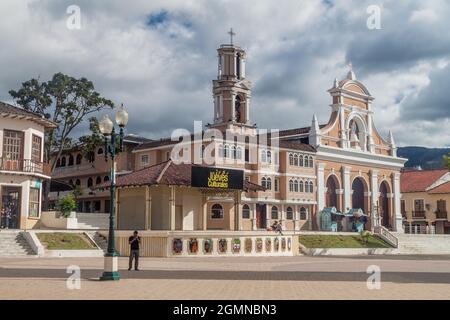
[
  {"x": 12, "y": 243},
  {"x": 93, "y": 220},
  {"x": 99, "y": 240}
]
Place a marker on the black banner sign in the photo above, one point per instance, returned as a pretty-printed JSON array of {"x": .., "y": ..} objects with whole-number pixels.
[{"x": 217, "y": 178}]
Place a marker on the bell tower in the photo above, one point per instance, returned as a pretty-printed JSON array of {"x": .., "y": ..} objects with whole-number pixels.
[{"x": 231, "y": 89}]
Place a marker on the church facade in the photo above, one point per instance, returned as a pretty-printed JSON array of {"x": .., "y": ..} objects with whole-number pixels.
[{"x": 289, "y": 175}]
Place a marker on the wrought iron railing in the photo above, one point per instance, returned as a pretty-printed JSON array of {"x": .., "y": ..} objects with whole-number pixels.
[
  {"x": 441, "y": 214},
  {"x": 418, "y": 214},
  {"x": 25, "y": 165}
]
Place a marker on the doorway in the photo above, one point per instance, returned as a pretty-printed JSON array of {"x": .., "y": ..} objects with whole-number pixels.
[
  {"x": 383, "y": 205},
  {"x": 261, "y": 216},
  {"x": 10, "y": 208}
]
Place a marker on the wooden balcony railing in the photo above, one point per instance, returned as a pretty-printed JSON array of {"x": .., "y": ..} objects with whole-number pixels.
[
  {"x": 441, "y": 214},
  {"x": 25, "y": 165},
  {"x": 418, "y": 214}
]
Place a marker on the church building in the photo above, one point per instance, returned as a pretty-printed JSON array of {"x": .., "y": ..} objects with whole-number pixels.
[{"x": 291, "y": 177}]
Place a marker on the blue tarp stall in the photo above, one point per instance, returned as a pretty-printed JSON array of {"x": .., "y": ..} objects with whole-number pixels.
[
  {"x": 330, "y": 219},
  {"x": 355, "y": 219}
]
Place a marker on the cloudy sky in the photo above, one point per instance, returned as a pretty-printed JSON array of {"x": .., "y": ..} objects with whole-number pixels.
[{"x": 159, "y": 57}]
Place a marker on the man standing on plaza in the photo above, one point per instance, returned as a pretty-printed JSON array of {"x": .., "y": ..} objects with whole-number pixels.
[{"x": 134, "y": 242}]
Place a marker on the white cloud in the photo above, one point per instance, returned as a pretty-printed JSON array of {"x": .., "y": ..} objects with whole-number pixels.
[{"x": 163, "y": 72}]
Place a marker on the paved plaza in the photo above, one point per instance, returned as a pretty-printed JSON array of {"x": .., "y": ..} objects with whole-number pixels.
[{"x": 402, "y": 277}]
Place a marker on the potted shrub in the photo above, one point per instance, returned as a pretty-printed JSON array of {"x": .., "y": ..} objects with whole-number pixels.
[{"x": 66, "y": 206}]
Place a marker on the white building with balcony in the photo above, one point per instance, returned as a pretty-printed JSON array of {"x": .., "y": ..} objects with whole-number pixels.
[{"x": 22, "y": 167}]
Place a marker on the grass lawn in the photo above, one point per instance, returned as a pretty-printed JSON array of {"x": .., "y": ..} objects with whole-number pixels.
[
  {"x": 65, "y": 241},
  {"x": 341, "y": 241}
]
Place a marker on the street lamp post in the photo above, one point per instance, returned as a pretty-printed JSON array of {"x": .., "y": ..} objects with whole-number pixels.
[{"x": 113, "y": 146}]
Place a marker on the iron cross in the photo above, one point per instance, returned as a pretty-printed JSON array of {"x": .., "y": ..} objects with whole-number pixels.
[{"x": 231, "y": 33}]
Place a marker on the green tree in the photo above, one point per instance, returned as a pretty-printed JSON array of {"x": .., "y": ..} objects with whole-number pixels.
[
  {"x": 91, "y": 142},
  {"x": 447, "y": 161},
  {"x": 66, "y": 101}
]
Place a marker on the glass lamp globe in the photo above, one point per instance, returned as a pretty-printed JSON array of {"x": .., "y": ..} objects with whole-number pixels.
[
  {"x": 121, "y": 116},
  {"x": 105, "y": 125}
]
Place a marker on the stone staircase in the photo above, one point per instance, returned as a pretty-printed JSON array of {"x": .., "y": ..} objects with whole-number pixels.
[
  {"x": 101, "y": 241},
  {"x": 423, "y": 243},
  {"x": 13, "y": 244},
  {"x": 93, "y": 221}
]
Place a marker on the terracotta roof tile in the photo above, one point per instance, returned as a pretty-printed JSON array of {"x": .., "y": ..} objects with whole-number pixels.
[
  {"x": 165, "y": 173},
  {"x": 419, "y": 180},
  {"x": 443, "y": 188},
  {"x": 7, "y": 109}
]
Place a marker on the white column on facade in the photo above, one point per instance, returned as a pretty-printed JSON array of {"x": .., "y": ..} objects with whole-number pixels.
[
  {"x": 320, "y": 186},
  {"x": 242, "y": 68},
  {"x": 247, "y": 110},
  {"x": 371, "y": 146},
  {"x": 148, "y": 208},
  {"x": 216, "y": 108},
  {"x": 297, "y": 218},
  {"x": 233, "y": 102},
  {"x": 320, "y": 190},
  {"x": 221, "y": 107},
  {"x": 343, "y": 128},
  {"x": 172, "y": 207},
  {"x": 374, "y": 190},
  {"x": 347, "y": 188},
  {"x": 398, "y": 225},
  {"x": 282, "y": 217},
  {"x": 254, "y": 216},
  {"x": 235, "y": 64}
]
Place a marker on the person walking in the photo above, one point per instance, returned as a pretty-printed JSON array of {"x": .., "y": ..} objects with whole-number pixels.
[{"x": 134, "y": 242}]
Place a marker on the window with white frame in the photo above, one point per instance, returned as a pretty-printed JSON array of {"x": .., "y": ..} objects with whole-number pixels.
[
  {"x": 216, "y": 211},
  {"x": 34, "y": 203},
  {"x": 145, "y": 161},
  {"x": 289, "y": 213},
  {"x": 245, "y": 211},
  {"x": 274, "y": 213},
  {"x": 276, "y": 184},
  {"x": 303, "y": 213}
]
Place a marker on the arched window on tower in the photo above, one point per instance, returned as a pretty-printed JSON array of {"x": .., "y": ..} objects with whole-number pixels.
[
  {"x": 295, "y": 159},
  {"x": 300, "y": 161},
  {"x": 238, "y": 66},
  {"x": 291, "y": 159},
  {"x": 237, "y": 109},
  {"x": 226, "y": 151},
  {"x": 301, "y": 189},
  {"x": 78, "y": 159},
  {"x": 291, "y": 186},
  {"x": 295, "y": 186}
]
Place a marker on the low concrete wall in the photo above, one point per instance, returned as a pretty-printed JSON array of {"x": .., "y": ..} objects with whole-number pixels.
[
  {"x": 34, "y": 243},
  {"x": 201, "y": 243},
  {"x": 51, "y": 219},
  {"x": 346, "y": 251},
  {"x": 40, "y": 250}
]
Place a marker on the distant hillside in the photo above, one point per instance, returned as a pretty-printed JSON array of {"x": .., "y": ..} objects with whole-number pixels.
[{"x": 427, "y": 158}]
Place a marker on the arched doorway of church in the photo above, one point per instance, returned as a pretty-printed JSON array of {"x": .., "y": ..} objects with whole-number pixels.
[
  {"x": 383, "y": 205},
  {"x": 358, "y": 195},
  {"x": 331, "y": 195}
]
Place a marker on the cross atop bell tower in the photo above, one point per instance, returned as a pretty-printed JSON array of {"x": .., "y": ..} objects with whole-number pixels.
[
  {"x": 231, "y": 90},
  {"x": 231, "y": 33}
]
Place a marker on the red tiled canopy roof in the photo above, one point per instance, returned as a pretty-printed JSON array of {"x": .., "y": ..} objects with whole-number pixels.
[
  {"x": 165, "y": 173},
  {"x": 419, "y": 180}
]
